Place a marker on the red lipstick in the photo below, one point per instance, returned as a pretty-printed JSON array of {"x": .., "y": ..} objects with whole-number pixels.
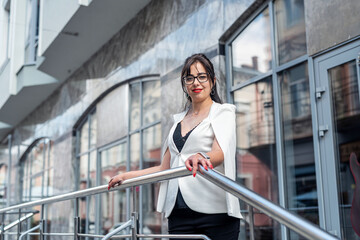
[{"x": 197, "y": 90}]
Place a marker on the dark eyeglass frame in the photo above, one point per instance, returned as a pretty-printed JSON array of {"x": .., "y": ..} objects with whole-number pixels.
[{"x": 197, "y": 77}]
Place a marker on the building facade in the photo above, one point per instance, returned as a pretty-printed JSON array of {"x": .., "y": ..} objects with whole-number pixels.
[{"x": 88, "y": 89}]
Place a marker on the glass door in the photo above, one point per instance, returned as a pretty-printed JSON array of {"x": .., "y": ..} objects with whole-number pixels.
[{"x": 338, "y": 118}]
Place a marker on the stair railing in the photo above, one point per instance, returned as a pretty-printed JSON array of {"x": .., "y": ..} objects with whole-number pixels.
[{"x": 254, "y": 200}]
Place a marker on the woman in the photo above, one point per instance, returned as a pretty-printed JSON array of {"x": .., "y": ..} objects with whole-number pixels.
[{"x": 204, "y": 134}]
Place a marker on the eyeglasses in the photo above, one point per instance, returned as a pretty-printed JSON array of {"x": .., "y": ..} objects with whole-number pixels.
[{"x": 190, "y": 79}]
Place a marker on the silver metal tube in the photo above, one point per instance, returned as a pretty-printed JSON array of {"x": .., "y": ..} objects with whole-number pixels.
[
  {"x": 101, "y": 236},
  {"x": 290, "y": 220},
  {"x": 251, "y": 223},
  {"x": 58, "y": 234},
  {"x": 29, "y": 231},
  {"x": 116, "y": 230},
  {"x": 150, "y": 178},
  {"x": 16, "y": 222},
  {"x": 182, "y": 236}
]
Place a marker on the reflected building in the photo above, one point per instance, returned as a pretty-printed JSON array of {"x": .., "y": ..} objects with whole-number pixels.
[{"x": 88, "y": 89}]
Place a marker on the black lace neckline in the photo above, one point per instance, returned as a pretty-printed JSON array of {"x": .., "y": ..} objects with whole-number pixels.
[{"x": 180, "y": 140}]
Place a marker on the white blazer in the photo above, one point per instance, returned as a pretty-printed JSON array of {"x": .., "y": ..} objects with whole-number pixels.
[{"x": 198, "y": 193}]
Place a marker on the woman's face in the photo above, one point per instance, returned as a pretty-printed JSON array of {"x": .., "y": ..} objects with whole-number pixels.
[{"x": 199, "y": 91}]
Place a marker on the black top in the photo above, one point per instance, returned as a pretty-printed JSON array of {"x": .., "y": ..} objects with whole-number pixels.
[{"x": 179, "y": 141}]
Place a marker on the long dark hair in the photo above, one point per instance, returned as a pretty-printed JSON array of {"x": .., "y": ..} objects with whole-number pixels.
[{"x": 207, "y": 64}]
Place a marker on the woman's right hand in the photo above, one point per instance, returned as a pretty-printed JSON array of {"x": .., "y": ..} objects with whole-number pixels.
[{"x": 116, "y": 180}]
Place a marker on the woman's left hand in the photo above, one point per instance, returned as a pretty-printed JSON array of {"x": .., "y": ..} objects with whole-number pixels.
[{"x": 193, "y": 162}]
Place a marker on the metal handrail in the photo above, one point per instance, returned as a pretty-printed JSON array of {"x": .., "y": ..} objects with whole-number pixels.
[
  {"x": 16, "y": 222},
  {"x": 280, "y": 214},
  {"x": 120, "y": 228},
  {"x": 29, "y": 231},
  {"x": 150, "y": 178},
  {"x": 290, "y": 220}
]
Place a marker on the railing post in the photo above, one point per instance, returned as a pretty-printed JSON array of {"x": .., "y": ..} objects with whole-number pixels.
[
  {"x": 2, "y": 226},
  {"x": 41, "y": 223},
  {"x": 251, "y": 222},
  {"x": 135, "y": 217},
  {"x": 19, "y": 225},
  {"x": 76, "y": 220},
  {"x": 134, "y": 227}
]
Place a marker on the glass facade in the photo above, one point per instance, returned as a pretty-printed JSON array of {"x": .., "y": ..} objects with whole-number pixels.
[
  {"x": 145, "y": 146},
  {"x": 259, "y": 84},
  {"x": 137, "y": 148},
  {"x": 297, "y": 108},
  {"x": 251, "y": 50},
  {"x": 290, "y": 25},
  {"x": 3, "y": 181},
  {"x": 346, "y": 113},
  {"x": 256, "y": 153}
]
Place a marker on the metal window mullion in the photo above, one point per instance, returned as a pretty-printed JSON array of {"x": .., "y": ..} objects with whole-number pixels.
[
  {"x": 43, "y": 171},
  {"x": 48, "y": 168},
  {"x": 77, "y": 163},
  {"x": 291, "y": 64},
  {"x": 30, "y": 173},
  {"x": 316, "y": 144},
  {"x": 141, "y": 165},
  {"x": 252, "y": 81},
  {"x": 9, "y": 171},
  {"x": 112, "y": 144},
  {"x": 98, "y": 200},
  {"x": 88, "y": 176},
  {"x": 278, "y": 118},
  {"x": 357, "y": 62},
  {"x": 128, "y": 147},
  {"x": 229, "y": 75}
]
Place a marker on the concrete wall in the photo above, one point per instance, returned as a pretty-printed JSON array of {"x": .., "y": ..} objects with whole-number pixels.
[{"x": 330, "y": 22}]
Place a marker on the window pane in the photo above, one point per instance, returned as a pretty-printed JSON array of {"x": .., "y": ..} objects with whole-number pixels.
[
  {"x": 93, "y": 127},
  {"x": 152, "y": 146},
  {"x": 346, "y": 115},
  {"x": 92, "y": 169},
  {"x": 151, "y": 157},
  {"x": 113, "y": 204},
  {"x": 84, "y": 137},
  {"x": 298, "y": 142},
  {"x": 256, "y": 153},
  {"x": 251, "y": 50},
  {"x": 37, "y": 158},
  {"x": 151, "y": 102},
  {"x": 134, "y": 106},
  {"x": 135, "y": 151},
  {"x": 290, "y": 25},
  {"x": 83, "y": 166},
  {"x": 36, "y": 188}
]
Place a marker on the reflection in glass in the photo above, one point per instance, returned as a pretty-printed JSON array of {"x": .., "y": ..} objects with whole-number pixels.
[
  {"x": 83, "y": 166},
  {"x": 151, "y": 102},
  {"x": 135, "y": 151},
  {"x": 3, "y": 174},
  {"x": 290, "y": 25},
  {"x": 84, "y": 137},
  {"x": 151, "y": 157},
  {"x": 256, "y": 155},
  {"x": 36, "y": 169},
  {"x": 346, "y": 115},
  {"x": 134, "y": 106},
  {"x": 251, "y": 50},
  {"x": 93, "y": 126},
  {"x": 113, "y": 204},
  {"x": 298, "y": 143},
  {"x": 92, "y": 169}
]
